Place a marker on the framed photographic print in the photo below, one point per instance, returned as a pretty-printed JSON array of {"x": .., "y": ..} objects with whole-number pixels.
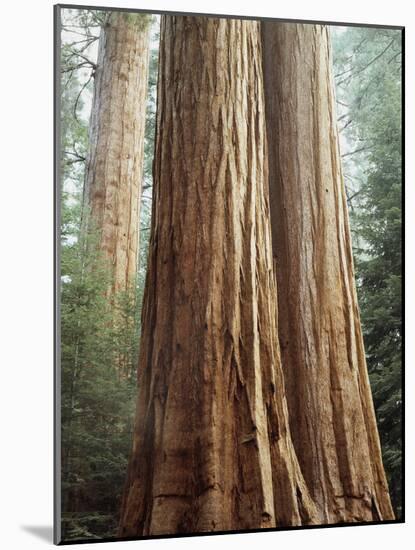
[{"x": 229, "y": 329}]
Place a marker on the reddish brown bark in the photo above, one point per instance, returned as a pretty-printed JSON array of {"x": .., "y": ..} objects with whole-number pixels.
[
  {"x": 212, "y": 449},
  {"x": 332, "y": 416},
  {"x": 115, "y": 163}
]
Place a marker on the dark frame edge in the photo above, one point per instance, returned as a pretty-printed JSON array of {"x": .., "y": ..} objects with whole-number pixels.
[
  {"x": 230, "y": 16},
  {"x": 403, "y": 75},
  {"x": 236, "y": 532},
  {"x": 57, "y": 536}
]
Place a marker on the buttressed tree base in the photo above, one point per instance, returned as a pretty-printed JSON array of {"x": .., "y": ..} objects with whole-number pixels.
[
  {"x": 328, "y": 392},
  {"x": 212, "y": 449}
]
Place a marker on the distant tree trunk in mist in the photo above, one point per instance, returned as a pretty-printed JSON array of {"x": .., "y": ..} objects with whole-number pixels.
[
  {"x": 212, "y": 449},
  {"x": 115, "y": 163},
  {"x": 332, "y": 417}
]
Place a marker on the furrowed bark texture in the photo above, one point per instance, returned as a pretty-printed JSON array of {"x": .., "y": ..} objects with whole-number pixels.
[
  {"x": 115, "y": 163},
  {"x": 332, "y": 416},
  {"x": 211, "y": 449}
]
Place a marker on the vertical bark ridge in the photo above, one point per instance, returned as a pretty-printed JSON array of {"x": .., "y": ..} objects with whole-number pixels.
[
  {"x": 333, "y": 422},
  {"x": 212, "y": 449},
  {"x": 115, "y": 161}
]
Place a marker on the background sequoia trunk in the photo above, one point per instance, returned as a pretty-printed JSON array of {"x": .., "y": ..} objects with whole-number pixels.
[
  {"x": 211, "y": 449},
  {"x": 332, "y": 417},
  {"x": 115, "y": 163}
]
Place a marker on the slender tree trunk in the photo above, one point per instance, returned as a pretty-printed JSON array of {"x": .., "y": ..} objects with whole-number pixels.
[
  {"x": 212, "y": 449},
  {"x": 115, "y": 163},
  {"x": 332, "y": 416}
]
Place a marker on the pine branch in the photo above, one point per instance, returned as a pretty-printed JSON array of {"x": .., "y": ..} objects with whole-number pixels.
[
  {"x": 359, "y": 150},
  {"x": 368, "y": 65},
  {"x": 79, "y": 95}
]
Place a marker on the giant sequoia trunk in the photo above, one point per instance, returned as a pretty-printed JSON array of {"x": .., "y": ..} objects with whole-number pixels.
[
  {"x": 211, "y": 449},
  {"x": 115, "y": 163},
  {"x": 332, "y": 417}
]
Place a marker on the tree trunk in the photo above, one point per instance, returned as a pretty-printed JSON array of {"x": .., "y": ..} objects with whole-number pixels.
[
  {"x": 115, "y": 163},
  {"x": 211, "y": 449},
  {"x": 332, "y": 416}
]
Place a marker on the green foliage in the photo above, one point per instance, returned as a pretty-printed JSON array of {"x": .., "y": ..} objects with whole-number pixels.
[
  {"x": 368, "y": 65},
  {"x": 151, "y": 112},
  {"x": 98, "y": 364},
  {"x": 149, "y": 137},
  {"x": 99, "y": 338}
]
